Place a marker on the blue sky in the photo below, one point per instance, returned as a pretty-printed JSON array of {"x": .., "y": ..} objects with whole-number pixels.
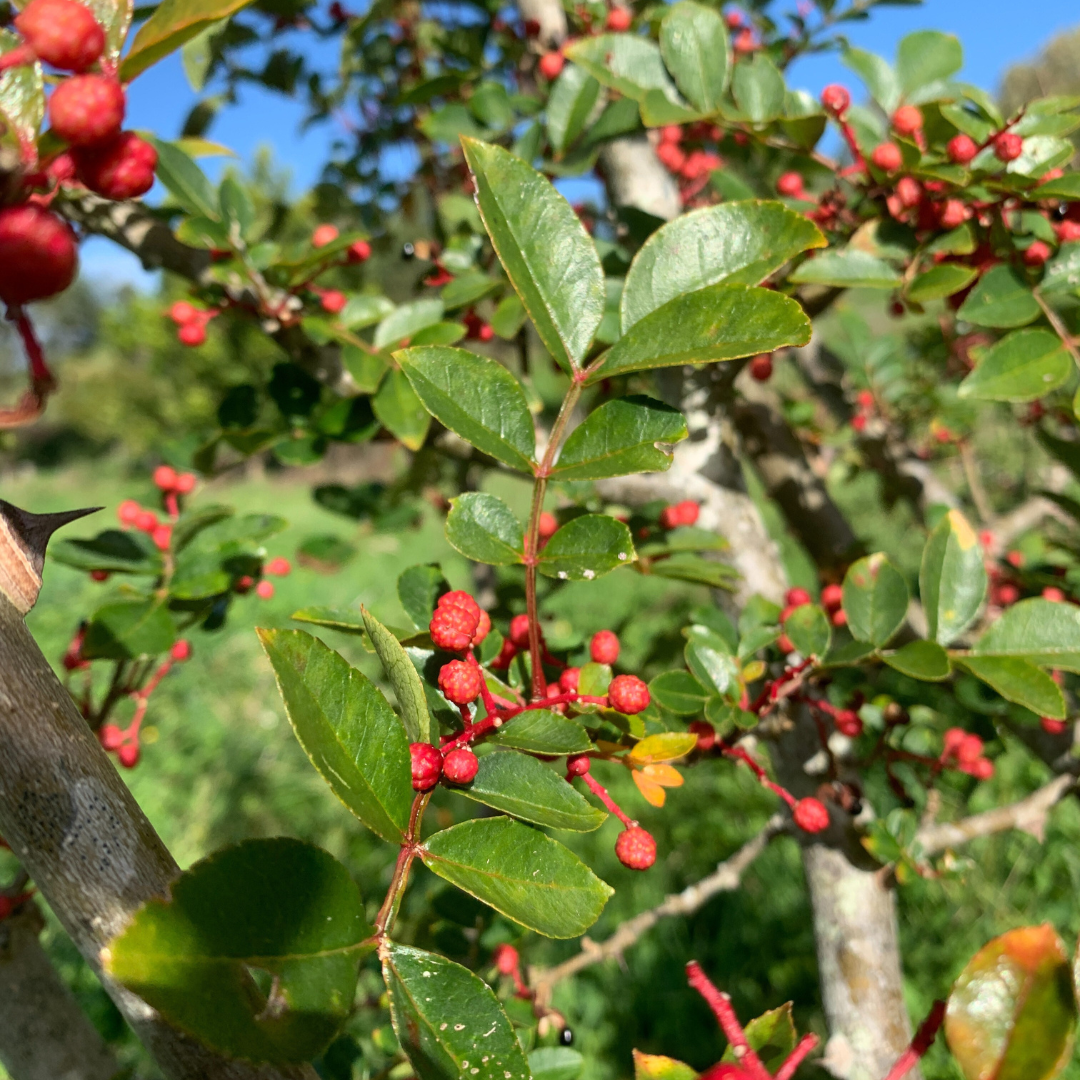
[{"x": 993, "y": 32}]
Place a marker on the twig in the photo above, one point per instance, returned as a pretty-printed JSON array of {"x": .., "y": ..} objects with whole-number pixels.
[
  {"x": 974, "y": 483},
  {"x": 1029, "y": 815},
  {"x": 724, "y": 878},
  {"x": 924, "y": 1039},
  {"x": 1060, "y": 328}
]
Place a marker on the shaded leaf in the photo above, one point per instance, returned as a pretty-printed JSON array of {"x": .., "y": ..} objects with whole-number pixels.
[
  {"x": 570, "y": 103},
  {"x": 1025, "y": 365},
  {"x": 586, "y": 547},
  {"x": 407, "y": 320},
  {"x": 771, "y": 1035},
  {"x": 952, "y": 578},
  {"x": 927, "y": 56},
  {"x": 678, "y": 692},
  {"x": 172, "y": 23},
  {"x": 1018, "y": 681},
  {"x": 875, "y": 599},
  {"x": 483, "y": 528},
  {"x": 758, "y": 88},
  {"x": 1001, "y": 299},
  {"x": 1038, "y": 631},
  {"x": 403, "y": 677},
  {"x": 114, "y": 550},
  {"x": 658, "y": 1067},
  {"x": 808, "y": 629},
  {"x": 187, "y": 183},
  {"x": 625, "y": 62},
  {"x": 694, "y": 45},
  {"x": 22, "y": 96},
  {"x": 129, "y": 629},
  {"x": 940, "y": 281},
  {"x": 400, "y": 410},
  {"x": 419, "y": 589},
  {"x": 925, "y": 660},
  {"x": 555, "y": 1063}
]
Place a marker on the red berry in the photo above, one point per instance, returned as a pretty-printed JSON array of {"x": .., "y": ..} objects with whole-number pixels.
[
  {"x": 461, "y": 599},
  {"x": 636, "y": 848},
  {"x": 460, "y": 682},
  {"x": 669, "y": 517},
  {"x": 578, "y": 764},
  {"x": 1008, "y": 146},
  {"x": 519, "y": 631},
  {"x": 122, "y": 168},
  {"x": 427, "y": 765},
  {"x": 832, "y": 596},
  {"x": 162, "y": 537},
  {"x": 128, "y": 512},
  {"x": 279, "y": 566},
  {"x": 38, "y": 258},
  {"x": 969, "y": 750},
  {"x": 604, "y": 647},
  {"x": 952, "y": 214},
  {"x": 761, "y": 367},
  {"x": 333, "y": 301},
  {"x": 182, "y": 312},
  {"x": 839, "y": 618},
  {"x": 790, "y": 184},
  {"x": 907, "y": 120},
  {"x": 146, "y": 521},
  {"x": 87, "y": 110},
  {"x": 1067, "y": 230},
  {"x": 848, "y": 723},
  {"x": 506, "y": 959},
  {"x": 549, "y": 525},
  {"x": 128, "y": 755},
  {"x": 836, "y": 99},
  {"x": 1053, "y": 594},
  {"x": 323, "y": 235},
  {"x": 99, "y": 575},
  {"x": 1053, "y": 727},
  {"x": 887, "y": 157},
  {"x": 243, "y": 584},
  {"x": 165, "y": 477},
  {"x": 865, "y": 399},
  {"x": 63, "y": 33},
  {"x": 810, "y": 815},
  {"x": 706, "y": 735},
  {"x": 452, "y": 627},
  {"x": 483, "y": 628},
  {"x": 619, "y": 19},
  {"x": 1036, "y": 254},
  {"x": 909, "y": 191},
  {"x": 264, "y": 590},
  {"x": 628, "y": 694},
  {"x": 672, "y": 157},
  {"x": 460, "y": 766},
  {"x": 952, "y": 740},
  {"x": 569, "y": 679},
  {"x": 181, "y": 651},
  {"x": 733, "y": 19},
  {"x": 359, "y": 252},
  {"x": 671, "y": 134},
  {"x": 796, "y": 598},
  {"x": 551, "y": 64},
  {"x": 185, "y": 483},
  {"x": 961, "y": 149},
  {"x": 1007, "y": 594},
  {"x": 192, "y": 334},
  {"x": 688, "y": 511},
  {"x": 110, "y": 736}
]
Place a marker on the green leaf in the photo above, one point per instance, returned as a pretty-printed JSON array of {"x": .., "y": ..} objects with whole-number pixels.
[
  {"x": 771, "y": 1036},
  {"x": 694, "y": 45},
  {"x": 925, "y": 660},
  {"x": 625, "y": 62},
  {"x": 1019, "y": 682},
  {"x": 720, "y": 322},
  {"x": 694, "y": 568},
  {"x": 483, "y": 528},
  {"x": 407, "y": 320},
  {"x": 447, "y": 1020},
  {"x": 545, "y": 250},
  {"x": 419, "y": 589},
  {"x": 1038, "y": 631},
  {"x": 113, "y": 550},
  {"x": 281, "y": 907},
  {"x": 1064, "y": 187},
  {"x": 192, "y": 523},
  {"x": 758, "y": 88},
  {"x": 1012, "y": 1013},
  {"x": 347, "y": 622},
  {"x": 129, "y": 629},
  {"x": 1062, "y": 272},
  {"x": 594, "y": 679},
  {"x": 925, "y": 57},
  {"x": 878, "y": 75},
  {"x": 520, "y": 872},
  {"x": 658, "y": 1067},
  {"x": 740, "y": 243},
  {"x": 621, "y": 437},
  {"x": 587, "y": 547},
  {"x": 1023, "y": 366},
  {"x": 570, "y": 103},
  {"x": 400, "y": 410},
  {"x": 541, "y": 731},
  {"x": 172, "y": 23},
  {"x": 808, "y": 629},
  {"x": 555, "y": 1063},
  {"x": 525, "y": 788},
  {"x": 846, "y": 268},
  {"x": 678, "y": 692},
  {"x": 952, "y": 578},
  {"x": 1001, "y": 299},
  {"x": 875, "y": 599},
  {"x": 186, "y": 182},
  {"x": 467, "y": 289},
  {"x": 363, "y": 310},
  {"x": 22, "y": 94},
  {"x": 940, "y": 281},
  {"x": 476, "y": 397},
  {"x": 403, "y": 677},
  {"x": 356, "y": 742},
  {"x": 708, "y": 657}
]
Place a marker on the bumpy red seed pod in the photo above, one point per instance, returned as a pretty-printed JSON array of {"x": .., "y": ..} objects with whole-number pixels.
[
  {"x": 796, "y": 597},
  {"x": 427, "y": 765},
  {"x": 636, "y": 848},
  {"x": 110, "y": 736},
  {"x": 569, "y": 679},
  {"x": 87, "y": 110},
  {"x": 548, "y": 525},
  {"x": 165, "y": 477},
  {"x": 551, "y": 65},
  {"x": 887, "y": 157},
  {"x": 519, "y": 631},
  {"x": 459, "y": 598},
  {"x": 122, "y": 168},
  {"x": 628, "y": 694},
  {"x": 1008, "y": 146},
  {"x": 961, "y": 149},
  {"x": 460, "y": 682},
  {"x": 459, "y": 766},
  {"x": 619, "y": 20},
  {"x": 1037, "y": 253},
  {"x": 38, "y": 257},
  {"x": 604, "y": 647},
  {"x": 810, "y": 815},
  {"x": 578, "y": 764},
  {"x": 452, "y": 628},
  {"x": 832, "y": 596},
  {"x": 181, "y": 650},
  {"x": 483, "y": 628},
  {"x": 907, "y": 120},
  {"x": 63, "y": 33}
]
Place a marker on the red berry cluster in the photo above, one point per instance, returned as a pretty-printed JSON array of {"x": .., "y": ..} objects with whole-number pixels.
[
  {"x": 692, "y": 167},
  {"x": 458, "y": 623},
  {"x": 866, "y": 409},
  {"x": 191, "y": 322},
  {"x": 476, "y": 328},
  {"x": 682, "y": 513},
  {"x": 357, "y": 252},
  {"x": 964, "y": 751},
  {"x": 459, "y": 765}
]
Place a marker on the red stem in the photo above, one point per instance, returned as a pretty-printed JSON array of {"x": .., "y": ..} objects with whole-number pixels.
[
  {"x": 796, "y": 1057},
  {"x": 601, "y": 793},
  {"x": 739, "y": 754},
  {"x": 40, "y": 375},
  {"x": 924, "y": 1039},
  {"x": 720, "y": 1003}
]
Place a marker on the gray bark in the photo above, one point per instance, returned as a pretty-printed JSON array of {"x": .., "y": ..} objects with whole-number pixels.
[{"x": 635, "y": 177}]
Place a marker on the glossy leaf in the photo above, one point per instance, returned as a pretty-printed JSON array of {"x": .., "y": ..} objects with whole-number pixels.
[
  {"x": 740, "y": 243},
  {"x": 625, "y": 62},
  {"x": 846, "y": 268},
  {"x": 952, "y": 579},
  {"x": 587, "y": 547},
  {"x": 772, "y": 1037},
  {"x": 1024, "y": 366},
  {"x": 693, "y": 568},
  {"x": 710, "y": 660},
  {"x": 128, "y": 629},
  {"x": 541, "y": 731},
  {"x": 187, "y": 183},
  {"x": 678, "y": 692},
  {"x": 940, "y": 281},
  {"x": 594, "y": 679},
  {"x": 875, "y": 599},
  {"x": 545, "y": 250},
  {"x": 1038, "y": 631},
  {"x": 621, "y": 437},
  {"x": 354, "y": 739},
  {"x": 694, "y": 45},
  {"x": 419, "y": 589},
  {"x": 400, "y": 410},
  {"x": 927, "y": 56},
  {"x": 476, "y": 397},
  {"x": 878, "y": 75},
  {"x": 172, "y": 23},
  {"x": 280, "y": 906},
  {"x": 758, "y": 88},
  {"x": 808, "y": 629},
  {"x": 22, "y": 96},
  {"x": 347, "y": 622},
  {"x": 555, "y": 1063},
  {"x": 662, "y": 747},
  {"x": 1062, "y": 272},
  {"x": 483, "y": 528},
  {"x": 447, "y": 1020},
  {"x": 1001, "y": 300},
  {"x": 403, "y": 677},
  {"x": 658, "y": 1067},
  {"x": 525, "y": 788},
  {"x": 1018, "y": 681},
  {"x": 1012, "y": 1013},
  {"x": 720, "y": 322},
  {"x": 520, "y": 872},
  {"x": 406, "y": 320},
  {"x": 571, "y": 101},
  {"x": 925, "y": 660}
]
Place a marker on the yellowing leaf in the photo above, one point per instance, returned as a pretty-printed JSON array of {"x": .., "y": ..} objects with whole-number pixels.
[
  {"x": 666, "y": 746},
  {"x": 653, "y": 792}
]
